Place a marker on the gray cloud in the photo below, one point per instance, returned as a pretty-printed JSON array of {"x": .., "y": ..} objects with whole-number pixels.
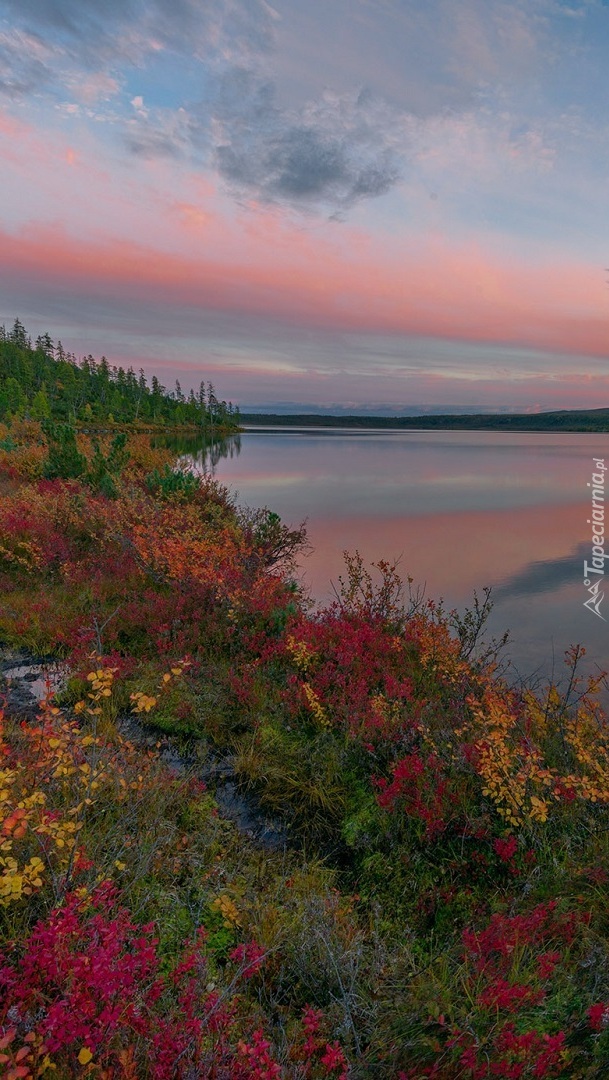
[
  {"x": 25, "y": 64},
  {"x": 302, "y": 163},
  {"x": 331, "y": 153},
  {"x": 148, "y": 142},
  {"x": 114, "y": 31},
  {"x": 166, "y": 133},
  {"x": 335, "y": 151},
  {"x": 94, "y": 25},
  {"x": 67, "y": 15},
  {"x": 85, "y": 35}
]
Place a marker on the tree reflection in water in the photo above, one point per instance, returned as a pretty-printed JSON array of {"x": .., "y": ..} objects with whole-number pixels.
[{"x": 202, "y": 454}]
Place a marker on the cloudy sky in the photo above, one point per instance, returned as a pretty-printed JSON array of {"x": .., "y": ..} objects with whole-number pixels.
[{"x": 348, "y": 202}]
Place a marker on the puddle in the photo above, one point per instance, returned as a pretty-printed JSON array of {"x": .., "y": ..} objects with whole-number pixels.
[
  {"x": 39, "y": 678},
  {"x": 245, "y": 812}
]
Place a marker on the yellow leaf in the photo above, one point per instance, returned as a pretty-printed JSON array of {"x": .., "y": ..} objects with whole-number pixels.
[
  {"x": 166, "y": 678},
  {"x": 85, "y": 1056},
  {"x": 228, "y": 910},
  {"x": 120, "y": 865}
]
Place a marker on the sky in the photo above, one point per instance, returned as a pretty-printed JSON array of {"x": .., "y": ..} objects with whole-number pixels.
[{"x": 362, "y": 204}]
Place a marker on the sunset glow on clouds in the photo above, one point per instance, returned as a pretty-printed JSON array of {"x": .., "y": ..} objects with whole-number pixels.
[{"x": 349, "y": 201}]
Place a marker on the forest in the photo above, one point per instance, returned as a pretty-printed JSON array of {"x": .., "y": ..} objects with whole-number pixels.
[
  {"x": 246, "y": 838},
  {"x": 42, "y": 381}
]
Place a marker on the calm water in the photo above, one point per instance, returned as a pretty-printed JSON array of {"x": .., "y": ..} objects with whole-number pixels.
[{"x": 460, "y": 510}]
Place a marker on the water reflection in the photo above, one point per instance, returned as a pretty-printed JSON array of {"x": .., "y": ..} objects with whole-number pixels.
[
  {"x": 461, "y": 510},
  {"x": 203, "y": 454},
  {"x": 541, "y": 576}
]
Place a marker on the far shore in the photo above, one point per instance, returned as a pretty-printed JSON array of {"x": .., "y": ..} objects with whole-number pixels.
[{"x": 569, "y": 420}]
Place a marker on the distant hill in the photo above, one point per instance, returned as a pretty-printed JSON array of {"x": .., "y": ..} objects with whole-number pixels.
[{"x": 565, "y": 420}]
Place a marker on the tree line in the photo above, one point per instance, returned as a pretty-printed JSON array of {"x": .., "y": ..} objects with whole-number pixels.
[{"x": 42, "y": 381}]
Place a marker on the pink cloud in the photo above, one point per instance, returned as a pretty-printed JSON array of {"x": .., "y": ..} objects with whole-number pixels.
[
  {"x": 203, "y": 253},
  {"x": 432, "y": 289},
  {"x": 12, "y": 127}
]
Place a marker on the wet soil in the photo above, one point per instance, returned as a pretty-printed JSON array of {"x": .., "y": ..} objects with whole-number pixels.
[{"x": 24, "y": 682}]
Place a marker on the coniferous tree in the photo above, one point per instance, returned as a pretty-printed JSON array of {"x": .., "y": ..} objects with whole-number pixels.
[
  {"x": 41, "y": 410},
  {"x": 18, "y": 335}
]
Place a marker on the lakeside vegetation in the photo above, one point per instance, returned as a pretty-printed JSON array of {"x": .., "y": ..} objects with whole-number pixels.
[
  {"x": 440, "y": 907},
  {"x": 564, "y": 420}
]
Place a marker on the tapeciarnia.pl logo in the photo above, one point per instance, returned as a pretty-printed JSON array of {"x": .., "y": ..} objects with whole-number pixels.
[{"x": 596, "y": 566}]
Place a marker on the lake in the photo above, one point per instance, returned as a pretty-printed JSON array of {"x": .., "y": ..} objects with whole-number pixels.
[{"x": 460, "y": 510}]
